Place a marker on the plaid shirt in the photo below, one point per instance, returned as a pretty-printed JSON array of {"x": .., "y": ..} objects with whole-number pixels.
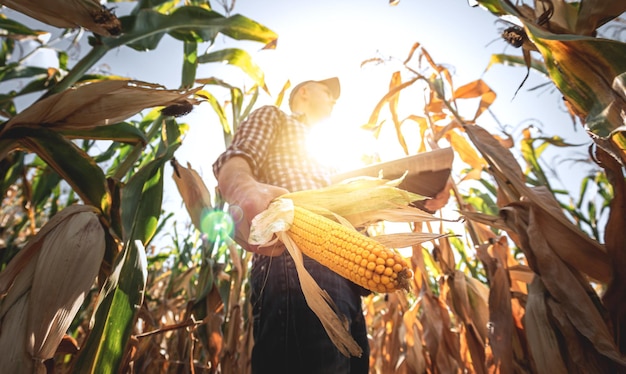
[{"x": 274, "y": 145}]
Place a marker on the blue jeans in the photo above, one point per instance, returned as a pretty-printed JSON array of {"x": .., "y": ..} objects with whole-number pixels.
[{"x": 288, "y": 336}]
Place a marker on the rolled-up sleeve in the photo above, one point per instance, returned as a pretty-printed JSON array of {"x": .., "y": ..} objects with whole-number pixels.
[{"x": 253, "y": 138}]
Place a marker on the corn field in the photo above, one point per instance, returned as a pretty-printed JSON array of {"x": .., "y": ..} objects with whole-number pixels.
[{"x": 529, "y": 279}]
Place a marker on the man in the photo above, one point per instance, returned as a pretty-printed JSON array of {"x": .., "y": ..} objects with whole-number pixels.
[{"x": 266, "y": 159}]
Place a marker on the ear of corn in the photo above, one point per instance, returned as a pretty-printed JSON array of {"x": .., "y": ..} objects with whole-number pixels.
[
  {"x": 324, "y": 240},
  {"x": 45, "y": 284},
  {"x": 66, "y": 269},
  {"x": 98, "y": 103},
  {"x": 15, "y": 359},
  {"x": 350, "y": 254},
  {"x": 194, "y": 192},
  {"x": 89, "y": 14},
  {"x": 322, "y": 304}
]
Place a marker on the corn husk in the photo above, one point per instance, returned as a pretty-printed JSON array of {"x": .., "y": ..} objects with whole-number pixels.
[
  {"x": 194, "y": 192},
  {"x": 322, "y": 304},
  {"x": 355, "y": 197},
  {"x": 47, "y": 282},
  {"x": 70, "y": 14},
  {"x": 543, "y": 342},
  {"x": 15, "y": 359},
  {"x": 372, "y": 198},
  {"x": 277, "y": 219},
  {"x": 99, "y": 103}
]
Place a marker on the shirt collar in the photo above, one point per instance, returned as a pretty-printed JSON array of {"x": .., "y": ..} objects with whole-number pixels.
[{"x": 299, "y": 116}]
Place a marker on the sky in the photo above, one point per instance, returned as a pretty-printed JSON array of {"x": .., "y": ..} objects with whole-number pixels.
[
  {"x": 332, "y": 38},
  {"x": 324, "y": 38}
]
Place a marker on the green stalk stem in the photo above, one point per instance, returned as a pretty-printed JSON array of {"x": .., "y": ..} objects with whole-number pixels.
[
  {"x": 79, "y": 69},
  {"x": 134, "y": 155}
]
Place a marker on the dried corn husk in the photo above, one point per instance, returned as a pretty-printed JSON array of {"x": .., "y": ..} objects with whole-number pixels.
[
  {"x": 47, "y": 283},
  {"x": 70, "y": 14},
  {"x": 542, "y": 340},
  {"x": 98, "y": 103},
  {"x": 194, "y": 192},
  {"x": 15, "y": 359}
]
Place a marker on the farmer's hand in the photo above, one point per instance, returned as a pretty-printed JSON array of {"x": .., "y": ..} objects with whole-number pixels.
[
  {"x": 254, "y": 199},
  {"x": 246, "y": 198}
]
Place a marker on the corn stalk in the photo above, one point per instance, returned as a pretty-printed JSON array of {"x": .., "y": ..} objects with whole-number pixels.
[
  {"x": 123, "y": 184},
  {"x": 527, "y": 305}
]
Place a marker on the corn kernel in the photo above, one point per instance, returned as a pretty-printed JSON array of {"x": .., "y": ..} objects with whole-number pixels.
[
  {"x": 379, "y": 269},
  {"x": 349, "y": 253}
]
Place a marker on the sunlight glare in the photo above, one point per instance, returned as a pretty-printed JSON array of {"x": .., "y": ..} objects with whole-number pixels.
[
  {"x": 339, "y": 145},
  {"x": 217, "y": 224}
]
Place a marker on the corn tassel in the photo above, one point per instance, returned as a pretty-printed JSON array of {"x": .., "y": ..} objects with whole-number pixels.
[{"x": 350, "y": 254}]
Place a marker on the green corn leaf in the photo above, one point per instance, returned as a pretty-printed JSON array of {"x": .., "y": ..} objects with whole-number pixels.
[
  {"x": 188, "y": 23},
  {"x": 63, "y": 58},
  {"x": 17, "y": 71},
  {"x": 489, "y": 186},
  {"x": 16, "y": 28},
  {"x": 236, "y": 97},
  {"x": 44, "y": 182},
  {"x": 141, "y": 199},
  {"x": 481, "y": 201},
  {"x": 143, "y": 194},
  {"x": 511, "y": 60},
  {"x": 239, "y": 58},
  {"x": 172, "y": 132},
  {"x": 583, "y": 190},
  {"x": 250, "y": 106},
  {"x": 531, "y": 156},
  {"x": 114, "y": 316},
  {"x": 144, "y": 30},
  {"x": 219, "y": 110},
  {"x": 75, "y": 166},
  {"x": 40, "y": 83},
  {"x": 122, "y": 132},
  {"x": 11, "y": 168},
  {"x": 584, "y": 69},
  {"x": 190, "y": 63},
  {"x": 7, "y": 105}
]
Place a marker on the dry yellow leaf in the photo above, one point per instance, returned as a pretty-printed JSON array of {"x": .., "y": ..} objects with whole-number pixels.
[
  {"x": 467, "y": 153},
  {"x": 477, "y": 88},
  {"x": 568, "y": 241}
]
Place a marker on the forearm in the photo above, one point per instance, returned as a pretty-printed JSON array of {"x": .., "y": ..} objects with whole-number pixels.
[
  {"x": 247, "y": 197},
  {"x": 235, "y": 179}
]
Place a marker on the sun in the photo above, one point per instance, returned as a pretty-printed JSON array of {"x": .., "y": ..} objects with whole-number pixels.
[{"x": 340, "y": 145}]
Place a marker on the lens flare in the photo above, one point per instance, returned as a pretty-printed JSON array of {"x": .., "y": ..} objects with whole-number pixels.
[{"x": 216, "y": 223}]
